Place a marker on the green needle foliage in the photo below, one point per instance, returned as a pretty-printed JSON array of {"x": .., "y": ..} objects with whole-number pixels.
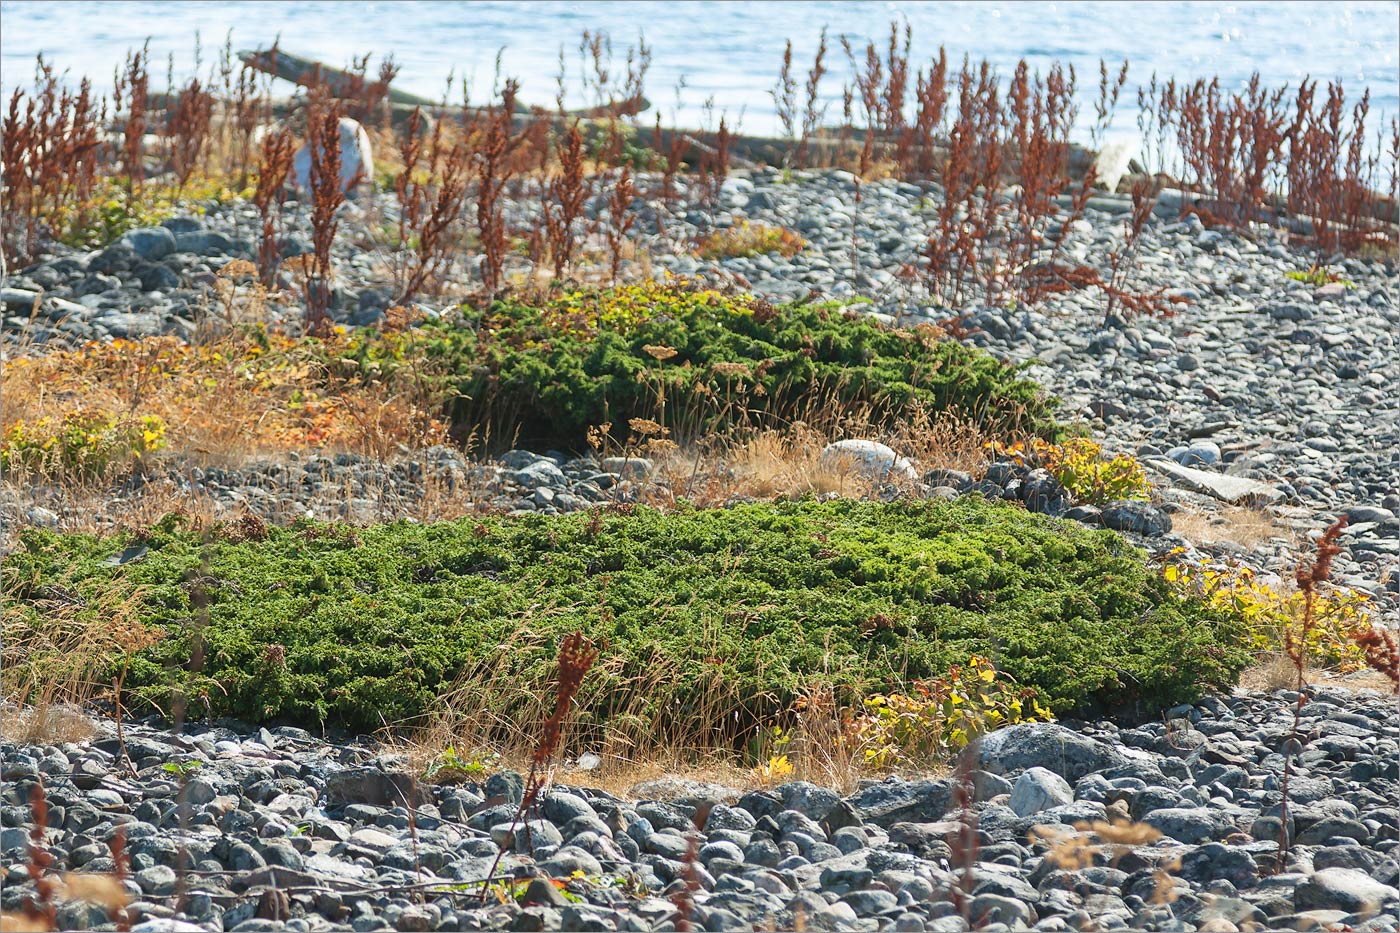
[
  {"x": 696, "y": 361},
  {"x": 718, "y": 617}
]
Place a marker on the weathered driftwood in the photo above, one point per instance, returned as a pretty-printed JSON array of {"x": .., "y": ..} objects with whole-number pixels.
[{"x": 307, "y": 72}]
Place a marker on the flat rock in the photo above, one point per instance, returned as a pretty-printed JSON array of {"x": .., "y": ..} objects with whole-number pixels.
[
  {"x": 1344, "y": 889},
  {"x": 1231, "y": 489}
]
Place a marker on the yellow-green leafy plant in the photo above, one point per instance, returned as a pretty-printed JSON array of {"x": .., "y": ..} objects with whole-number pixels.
[
  {"x": 116, "y": 208},
  {"x": 943, "y": 716},
  {"x": 1270, "y": 613},
  {"x": 1079, "y": 465},
  {"x": 750, "y": 239},
  {"x": 450, "y": 768},
  {"x": 775, "y": 770},
  {"x": 1318, "y": 276},
  {"x": 84, "y": 443}
]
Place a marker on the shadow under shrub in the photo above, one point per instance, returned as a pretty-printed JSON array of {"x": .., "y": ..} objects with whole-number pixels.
[
  {"x": 721, "y": 617},
  {"x": 696, "y": 361}
]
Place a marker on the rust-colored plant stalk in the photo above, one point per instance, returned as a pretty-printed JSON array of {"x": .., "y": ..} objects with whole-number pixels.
[
  {"x": 49, "y": 153},
  {"x": 187, "y": 130},
  {"x": 564, "y": 205},
  {"x": 364, "y": 97},
  {"x": 812, "y": 113},
  {"x": 684, "y": 898},
  {"x": 133, "y": 84},
  {"x": 40, "y": 861},
  {"x": 674, "y": 153},
  {"x": 620, "y": 219},
  {"x": 1309, "y": 577},
  {"x": 121, "y": 870},
  {"x": 494, "y": 169},
  {"x": 274, "y": 167},
  {"x": 576, "y": 657},
  {"x": 327, "y": 196},
  {"x": 431, "y": 204},
  {"x": 1381, "y": 652},
  {"x": 784, "y": 95},
  {"x": 244, "y": 122}
]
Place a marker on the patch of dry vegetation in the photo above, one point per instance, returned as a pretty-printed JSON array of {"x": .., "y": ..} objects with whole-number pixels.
[{"x": 246, "y": 393}]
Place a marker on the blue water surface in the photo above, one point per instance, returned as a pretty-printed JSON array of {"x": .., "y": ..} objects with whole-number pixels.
[{"x": 726, "y": 53}]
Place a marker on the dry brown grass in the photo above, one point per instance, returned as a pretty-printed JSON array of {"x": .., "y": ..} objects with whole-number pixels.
[
  {"x": 786, "y": 463},
  {"x": 1277, "y": 672},
  {"x": 763, "y": 465},
  {"x": 491, "y": 715},
  {"x": 55, "y": 662},
  {"x": 224, "y": 401},
  {"x": 46, "y": 723},
  {"x": 1273, "y": 672},
  {"x": 1247, "y": 527}
]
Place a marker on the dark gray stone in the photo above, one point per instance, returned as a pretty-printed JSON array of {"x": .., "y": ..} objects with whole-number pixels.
[
  {"x": 1044, "y": 745},
  {"x": 150, "y": 243},
  {"x": 1136, "y": 516}
]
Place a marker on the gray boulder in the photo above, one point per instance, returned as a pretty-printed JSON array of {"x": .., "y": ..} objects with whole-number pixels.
[
  {"x": 1039, "y": 789},
  {"x": 149, "y": 243},
  {"x": 896, "y": 801},
  {"x": 1191, "y": 825},
  {"x": 540, "y": 473},
  {"x": 1344, "y": 889},
  {"x": 1137, "y": 516},
  {"x": 375, "y": 787},
  {"x": 1044, "y": 745}
]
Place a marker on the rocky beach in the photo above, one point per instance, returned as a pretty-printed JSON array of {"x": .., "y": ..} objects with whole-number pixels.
[
  {"x": 1283, "y": 388},
  {"x": 515, "y": 519}
]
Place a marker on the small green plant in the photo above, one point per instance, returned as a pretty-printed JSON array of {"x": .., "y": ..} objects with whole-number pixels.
[
  {"x": 1317, "y": 276},
  {"x": 750, "y": 239},
  {"x": 116, "y": 208},
  {"x": 451, "y": 768},
  {"x": 182, "y": 769},
  {"x": 617, "y": 142},
  {"x": 83, "y": 443},
  {"x": 944, "y": 716}
]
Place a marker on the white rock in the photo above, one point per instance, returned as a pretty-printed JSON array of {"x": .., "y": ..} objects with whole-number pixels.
[
  {"x": 1112, "y": 162},
  {"x": 870, "y": 459},
  {"x": 1232, "y": 489},
  {"x": 356, "y": 157},
  {"x": 166, "y": 925},
  {"x": 1039, "y": 789}
]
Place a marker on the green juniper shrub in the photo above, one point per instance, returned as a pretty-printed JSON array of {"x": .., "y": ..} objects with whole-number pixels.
[
  {"x": 697, "y": 361},
  {"x": 727, "y": 614}
]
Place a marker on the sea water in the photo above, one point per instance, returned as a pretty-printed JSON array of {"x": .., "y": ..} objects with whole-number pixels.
[{"x": 727, "y": 54}]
